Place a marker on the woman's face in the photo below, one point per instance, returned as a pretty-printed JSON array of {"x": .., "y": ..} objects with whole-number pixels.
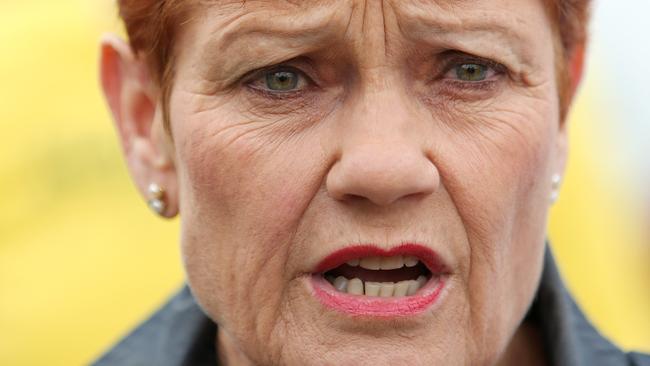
[{"x": 400, "y": 129}]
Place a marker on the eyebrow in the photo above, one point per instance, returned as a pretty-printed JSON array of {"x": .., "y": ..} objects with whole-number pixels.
[
  {"x": 315, "y": 29},
  {"x": 294, "y": 36},
  {"x": 500, "y": 37}
]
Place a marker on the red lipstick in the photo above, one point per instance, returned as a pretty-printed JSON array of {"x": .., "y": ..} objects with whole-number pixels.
[{"x": 363, "y": 305}]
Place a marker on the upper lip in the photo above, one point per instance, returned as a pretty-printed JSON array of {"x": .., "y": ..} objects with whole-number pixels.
[{"x": 426, "y": 255}]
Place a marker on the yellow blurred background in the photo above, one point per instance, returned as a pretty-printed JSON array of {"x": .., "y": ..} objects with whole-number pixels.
[{"x": 82, "y": 260}]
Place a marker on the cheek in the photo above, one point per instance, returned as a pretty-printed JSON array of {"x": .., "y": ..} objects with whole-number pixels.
[
  {"x": 497, "y": 165},
  {"x": 243, "y": 192},
  {"x": 496, "y": 170}
]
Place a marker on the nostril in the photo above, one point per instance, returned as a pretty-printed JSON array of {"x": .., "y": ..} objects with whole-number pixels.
[
  {"x": 385, "y": 201},
  {"x": 382, "y": 177},
  {"x": 416, "y": 196},
  {"x": 352, "y": 197}
]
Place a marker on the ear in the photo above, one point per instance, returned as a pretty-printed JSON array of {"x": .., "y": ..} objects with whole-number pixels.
[
  {"x": 135, "y": 103},
  {"x": 575, "y": 70}
]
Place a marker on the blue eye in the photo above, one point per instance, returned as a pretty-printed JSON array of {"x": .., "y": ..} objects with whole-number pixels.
[{"x": 471, "y": 72}]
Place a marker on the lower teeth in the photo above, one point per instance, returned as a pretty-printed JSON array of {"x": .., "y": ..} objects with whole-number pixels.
[{"x": 356, "y": 286}]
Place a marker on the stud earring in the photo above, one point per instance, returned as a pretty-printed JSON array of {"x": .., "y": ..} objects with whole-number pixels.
[
  {"x": 156, "y": 198},
  {"x": 556, "y": 179}
]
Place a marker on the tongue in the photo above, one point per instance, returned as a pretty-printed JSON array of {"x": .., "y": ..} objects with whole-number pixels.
[{"x": 392, "y": 275}]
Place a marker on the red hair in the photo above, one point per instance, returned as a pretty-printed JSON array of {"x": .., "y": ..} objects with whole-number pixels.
[{"x": 151, "y": 26}]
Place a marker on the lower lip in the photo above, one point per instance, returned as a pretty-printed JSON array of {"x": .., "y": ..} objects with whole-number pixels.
[{"x": 371, "y": 306}]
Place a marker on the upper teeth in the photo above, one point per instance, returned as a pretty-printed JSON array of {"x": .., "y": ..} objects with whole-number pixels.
[
  {"x": 356, "y": 286},
  {"x": 375, "y": 263}
]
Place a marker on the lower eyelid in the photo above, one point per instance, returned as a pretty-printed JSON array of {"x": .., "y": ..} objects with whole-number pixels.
[
  {"x": 469, "y": 90},
  {"x": 473, "y": 84},
  {"x": 277, "y": 95}
]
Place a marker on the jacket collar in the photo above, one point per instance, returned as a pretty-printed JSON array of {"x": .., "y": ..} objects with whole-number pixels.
[
  {"x": 569, "y": 338},
  {"x": 177, "y": 334}
]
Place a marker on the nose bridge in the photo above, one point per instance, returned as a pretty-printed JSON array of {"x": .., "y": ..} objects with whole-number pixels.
[
  {"x": 383, "y": 156},
  {"x": 381, "y": 112}
]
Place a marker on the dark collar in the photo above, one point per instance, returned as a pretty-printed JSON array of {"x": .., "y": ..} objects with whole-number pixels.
[
  {"x": 181, "y": 334},
  {"x": 177, "y": 334},
  {"x": 569, "y": 338}
]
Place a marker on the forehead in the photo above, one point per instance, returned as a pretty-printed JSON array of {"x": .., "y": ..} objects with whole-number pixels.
[
  {"x": 455, "y": 8},
  {"x": 511, "y": 31},
  {"x": 412, "y": 18}
]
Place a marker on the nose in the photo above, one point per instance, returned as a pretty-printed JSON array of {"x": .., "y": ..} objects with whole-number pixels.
[
  {"x": 382, "y": 156},
  {"x": 382, "y": 174}
]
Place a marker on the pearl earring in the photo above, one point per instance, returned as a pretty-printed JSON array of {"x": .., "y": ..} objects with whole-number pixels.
[
  {"x": 556, "y": 179},
  {"x": 156, "y": 198}
]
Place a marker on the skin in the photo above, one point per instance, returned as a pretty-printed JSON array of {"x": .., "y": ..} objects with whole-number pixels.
[{"x": 379, "y": 143}]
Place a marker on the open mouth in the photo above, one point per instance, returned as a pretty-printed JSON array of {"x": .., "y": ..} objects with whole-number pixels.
[
  {"x": 367, "y": 280},
  {"x": 393, "y": 276}
]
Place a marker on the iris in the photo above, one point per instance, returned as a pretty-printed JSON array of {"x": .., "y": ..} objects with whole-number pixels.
[
  {"x": 282, "y": 80},
  {"x": 471, "y": 72}
]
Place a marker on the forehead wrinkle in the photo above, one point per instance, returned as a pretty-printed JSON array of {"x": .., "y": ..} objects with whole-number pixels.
[
  {"x": 246, "y": 33},
  {"x": 250, "y": 30},
  {"x": 455, "y": 15},
  {"x": 456, "y": 25},
  {"x": 268, "y": 18},
  {"x": 229, "y": 41}
]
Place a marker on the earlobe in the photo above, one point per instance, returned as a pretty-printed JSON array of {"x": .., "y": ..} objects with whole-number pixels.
[
  {"x": 137, "y": 113},
  {"x": 575, "y": 65},
  {"x": 562, "y": 152}
]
